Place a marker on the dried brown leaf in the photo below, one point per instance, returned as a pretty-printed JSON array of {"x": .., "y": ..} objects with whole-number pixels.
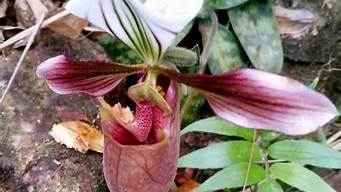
[
  {"x": 24, "y": 34},
  {"x": 295, "y": 23},
  {"x": 70, "y": 26},
  {"x": 78, "y": 135},
  {"x": 189, "y": 186},
  {"x": 24, "y": 13}
]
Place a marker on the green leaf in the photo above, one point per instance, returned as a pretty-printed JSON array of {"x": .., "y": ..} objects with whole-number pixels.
[
  {"x": 118, "y": 51},
  {"x": 306, "y": 152},
  {"x": 218, "y": 126},
  {"x": 299, "y": 177},
  {"x": 226, "y": 52},
  {"x": 268, "y": 135},
  {"x": 203, "y": 13},
  {"x": 257, "y": 31},
  {"x": 232, "y": 177},
  {"x": 269, "y": 185},
  {"x": 223, "y": 4},
  {"x": 220, "y": 155}
]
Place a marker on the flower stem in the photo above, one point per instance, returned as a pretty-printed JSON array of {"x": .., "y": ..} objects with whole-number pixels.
[
  {"x": 151, "y": 78},
  {"x": 250, "y": 159}
]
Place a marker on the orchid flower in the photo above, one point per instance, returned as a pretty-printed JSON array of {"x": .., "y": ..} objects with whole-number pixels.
[{"x": 141, "y": 150}]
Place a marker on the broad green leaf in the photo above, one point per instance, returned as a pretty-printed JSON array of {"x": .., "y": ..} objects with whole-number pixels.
[
  {"x": 220, "y": 155},
  {"x": 118, "y": 51},
  {"x": 269, "y": 185},
  {"x": 257, "y": 30},
  {"x": 218, "y": 126},
  {"x": 306, "y": 152},
  {"x": 226, "y": 52},
  {"x": 203, "y": 13},
  {"x": 233, "y": 176},
  {"x": 299, "y": 177},
  {"x": 223, "y": 4}
]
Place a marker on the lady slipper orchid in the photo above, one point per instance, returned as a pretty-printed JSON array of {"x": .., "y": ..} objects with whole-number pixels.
[
  {"x": 146, "y": 161},
  {"x": 141, "y": 150}
]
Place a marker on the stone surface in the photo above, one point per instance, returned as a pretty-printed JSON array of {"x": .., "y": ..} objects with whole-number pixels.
[
  {"x": 322, "y": 42},
  {"x": 30, "y": 160}
]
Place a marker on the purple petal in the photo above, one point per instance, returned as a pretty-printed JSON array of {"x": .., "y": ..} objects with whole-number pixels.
[
  {"x": 262, "y": 100},
  {"x": 66, "y": 76}
]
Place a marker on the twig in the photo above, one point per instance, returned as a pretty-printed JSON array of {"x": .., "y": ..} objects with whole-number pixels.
[
  {"x": 250, "y": 159},
  {"x": 203, "y": 61},
  {"x": 336, "y": 145},
  {"x": 334, "y": 137},
  {"x": 30, "y": 30},
  {"x": 27, "y": 48},
  {"x": 334, "y": 69}
]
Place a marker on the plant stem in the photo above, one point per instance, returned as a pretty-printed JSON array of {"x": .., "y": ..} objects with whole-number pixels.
[
  {"x": 321, "y": 136},
  {"x": 250, "y": 159}
]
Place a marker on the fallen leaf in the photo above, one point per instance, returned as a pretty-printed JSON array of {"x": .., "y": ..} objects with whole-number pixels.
[
  {"x": 70, "y": 26},
  {"x": 27, "y": 32},
  {"x": 78, "y": 135},
  {"x": 184, "y": 175},
  {"x": 28, "y": 12},
  {"x": 23, "y": 13},
  {"x": 294, "y": 23},
  {"x": 189, "y": 186}
]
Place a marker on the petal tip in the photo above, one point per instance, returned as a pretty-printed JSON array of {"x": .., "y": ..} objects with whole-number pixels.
[{"x": 48, "y": 64}]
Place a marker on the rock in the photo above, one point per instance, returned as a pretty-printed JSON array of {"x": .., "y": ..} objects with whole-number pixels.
[
  {"x": 30, "y": 160},
  {"x": 322, "y": 42}
]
